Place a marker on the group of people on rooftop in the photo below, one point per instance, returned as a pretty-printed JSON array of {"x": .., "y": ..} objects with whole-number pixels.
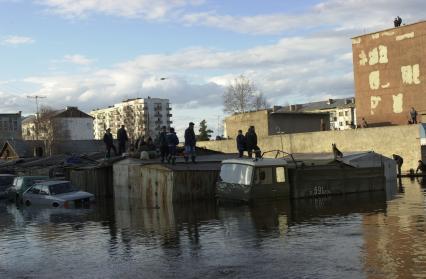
[
  {"x": 167, "y": 143},
  {"x": 248, "y": 142}
]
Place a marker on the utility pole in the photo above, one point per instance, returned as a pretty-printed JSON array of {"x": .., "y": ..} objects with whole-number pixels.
[{"x": 36, "y": 97}]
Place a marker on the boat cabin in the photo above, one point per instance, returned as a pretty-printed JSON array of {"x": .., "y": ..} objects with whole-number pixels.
[
  {"x": 305, "y": 175},
  {"x": 242, "y": 179}
]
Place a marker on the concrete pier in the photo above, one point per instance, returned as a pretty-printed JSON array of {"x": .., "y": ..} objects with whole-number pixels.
[{"x": 155, "y": 184}]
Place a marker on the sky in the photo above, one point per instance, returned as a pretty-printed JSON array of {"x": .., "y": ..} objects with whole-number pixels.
[{"x": 94, "y": 53}]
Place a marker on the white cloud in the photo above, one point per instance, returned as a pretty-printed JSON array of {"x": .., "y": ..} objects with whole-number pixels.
[
  {"x": 17, "y": 40},
  {"x": 359, "y": 15},
  {"x": 77, "y": 59},
  {"x": 292, "y": 69},
  {"x": 147, "y": 9}
]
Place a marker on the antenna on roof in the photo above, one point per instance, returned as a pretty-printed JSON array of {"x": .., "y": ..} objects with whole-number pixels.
[{"x": 36, "y": 97}]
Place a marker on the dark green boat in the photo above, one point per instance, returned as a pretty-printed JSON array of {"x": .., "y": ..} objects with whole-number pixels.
[{"x": 305, "y": 175}]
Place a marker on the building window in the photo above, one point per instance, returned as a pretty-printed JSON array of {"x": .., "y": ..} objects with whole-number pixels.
[
  {"x": 335, "y": 118},
  {"x": 346, "y": 113},
  {"x": 341, "y": 113},
  {"x": 347, "y": 122},
  {"x": 340, "y": 124}
]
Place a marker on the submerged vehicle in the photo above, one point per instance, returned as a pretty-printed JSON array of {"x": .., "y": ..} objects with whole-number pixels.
[
  {"x": 304, "y": 175},
  {"x": 21, "y": 184},
  {"x": 58, "y": 193}
]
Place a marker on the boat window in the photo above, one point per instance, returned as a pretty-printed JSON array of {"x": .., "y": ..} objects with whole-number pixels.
[
  {"x": 263, "y": 176},
  {"x": 280, "y": 174},
  {"x": 236, "y": 173}
]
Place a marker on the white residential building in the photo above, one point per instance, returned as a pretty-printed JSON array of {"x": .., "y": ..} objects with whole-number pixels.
[
  {"x": 141, "y": 117},
  {"x": 66, "y": 124},
  {"x": 342, "y": 111}
]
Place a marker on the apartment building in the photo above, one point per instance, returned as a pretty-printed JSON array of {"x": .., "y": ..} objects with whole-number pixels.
[
  {"x": 141, "y": 116},
  {"x": 10, "y": 126}
]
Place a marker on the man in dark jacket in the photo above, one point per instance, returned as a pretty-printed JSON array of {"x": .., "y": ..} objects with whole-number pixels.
[
  {"x": 399, "y": 161},
  {"x": 162, "y": 140},
  {"x": 172, "y": 142},
  {"x": 413, "y": 116},
  {"x": 190, "y": 142},
  {"x": 122, "y": 138},
  {"x": 241, "y": 143},
  {"x": 251, "y": 143},
  {"x": 109, "y": 143}
]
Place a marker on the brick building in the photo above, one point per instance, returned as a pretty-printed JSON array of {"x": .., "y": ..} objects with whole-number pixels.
[{"x": 388, "y": 72}]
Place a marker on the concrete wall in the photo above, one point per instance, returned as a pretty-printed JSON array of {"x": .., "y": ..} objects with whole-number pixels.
[
  {"x": 242, "y": 121},
  {"x": 297, "y": 122},
  {"x": 402, "y": 140},
  {"x": 388, "y": 72},
  {"x": 76, "y": 128}
]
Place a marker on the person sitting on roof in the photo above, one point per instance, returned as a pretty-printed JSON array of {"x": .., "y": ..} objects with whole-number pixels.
[{"x": 421, "y": 167}]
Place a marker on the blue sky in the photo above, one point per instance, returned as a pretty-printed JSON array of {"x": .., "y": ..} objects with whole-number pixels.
[{"x": 75, "y": 51}]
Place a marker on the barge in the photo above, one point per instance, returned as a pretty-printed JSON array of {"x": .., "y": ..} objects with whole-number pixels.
[{"x": 305, "y": 175}]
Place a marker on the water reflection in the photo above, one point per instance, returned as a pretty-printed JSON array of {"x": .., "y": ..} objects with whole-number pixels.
[{"x": 351, "y": 236}]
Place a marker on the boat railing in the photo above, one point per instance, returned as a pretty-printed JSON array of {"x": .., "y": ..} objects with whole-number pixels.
[{"x": 278, "y": 152}]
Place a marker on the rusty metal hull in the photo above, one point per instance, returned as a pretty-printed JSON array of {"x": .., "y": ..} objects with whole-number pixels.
[
  {"x": 308, "y": 182},
  {"x": 335, "y": 180}
]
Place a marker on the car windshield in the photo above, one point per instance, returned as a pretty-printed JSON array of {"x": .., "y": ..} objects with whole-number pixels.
[
  {"x": 236, "y": 173},
  {"x": 6, "y": 180},
  {"x": 61, "y": 188}
]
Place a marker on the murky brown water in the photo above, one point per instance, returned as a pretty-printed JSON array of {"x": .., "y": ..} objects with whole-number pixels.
[{"x": 357, "y": 236}]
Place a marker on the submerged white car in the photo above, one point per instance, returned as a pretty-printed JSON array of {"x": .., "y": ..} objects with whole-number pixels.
[{"x": 56, "y": 194}]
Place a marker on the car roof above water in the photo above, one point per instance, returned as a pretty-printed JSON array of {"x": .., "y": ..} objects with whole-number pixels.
[
  {"x": 263, "y": 162},
  {"x": 52, "y": 182}
]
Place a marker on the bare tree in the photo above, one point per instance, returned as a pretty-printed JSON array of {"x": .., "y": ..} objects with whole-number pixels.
[
  {"x": 46, "y": 127},
  {"x": 239, "y": 95},
  {"x": 260, "y": 102}
]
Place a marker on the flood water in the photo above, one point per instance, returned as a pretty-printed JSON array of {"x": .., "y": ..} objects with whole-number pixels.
[{"x": 357, "y": 236}]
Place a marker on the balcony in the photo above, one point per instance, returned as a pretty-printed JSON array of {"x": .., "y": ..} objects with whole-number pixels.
[
  {"x": 169, "y": 122},
  {"x": 169, "y": 115}
]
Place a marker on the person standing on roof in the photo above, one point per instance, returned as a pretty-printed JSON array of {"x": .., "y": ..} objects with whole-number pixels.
[
  {"x": 164, "y": 148},
  {"x": 109, "y": 143},
  {"x": 172, "y": 142},
  {"x": 122, "y": 139},
  {"x": 190, "y": 142},
  {"x": 413, "y": 116},
  {"x": 251, "y": 142},
  {"x": 399, "y": 162},
  {"x": 241, "y": 143}
]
